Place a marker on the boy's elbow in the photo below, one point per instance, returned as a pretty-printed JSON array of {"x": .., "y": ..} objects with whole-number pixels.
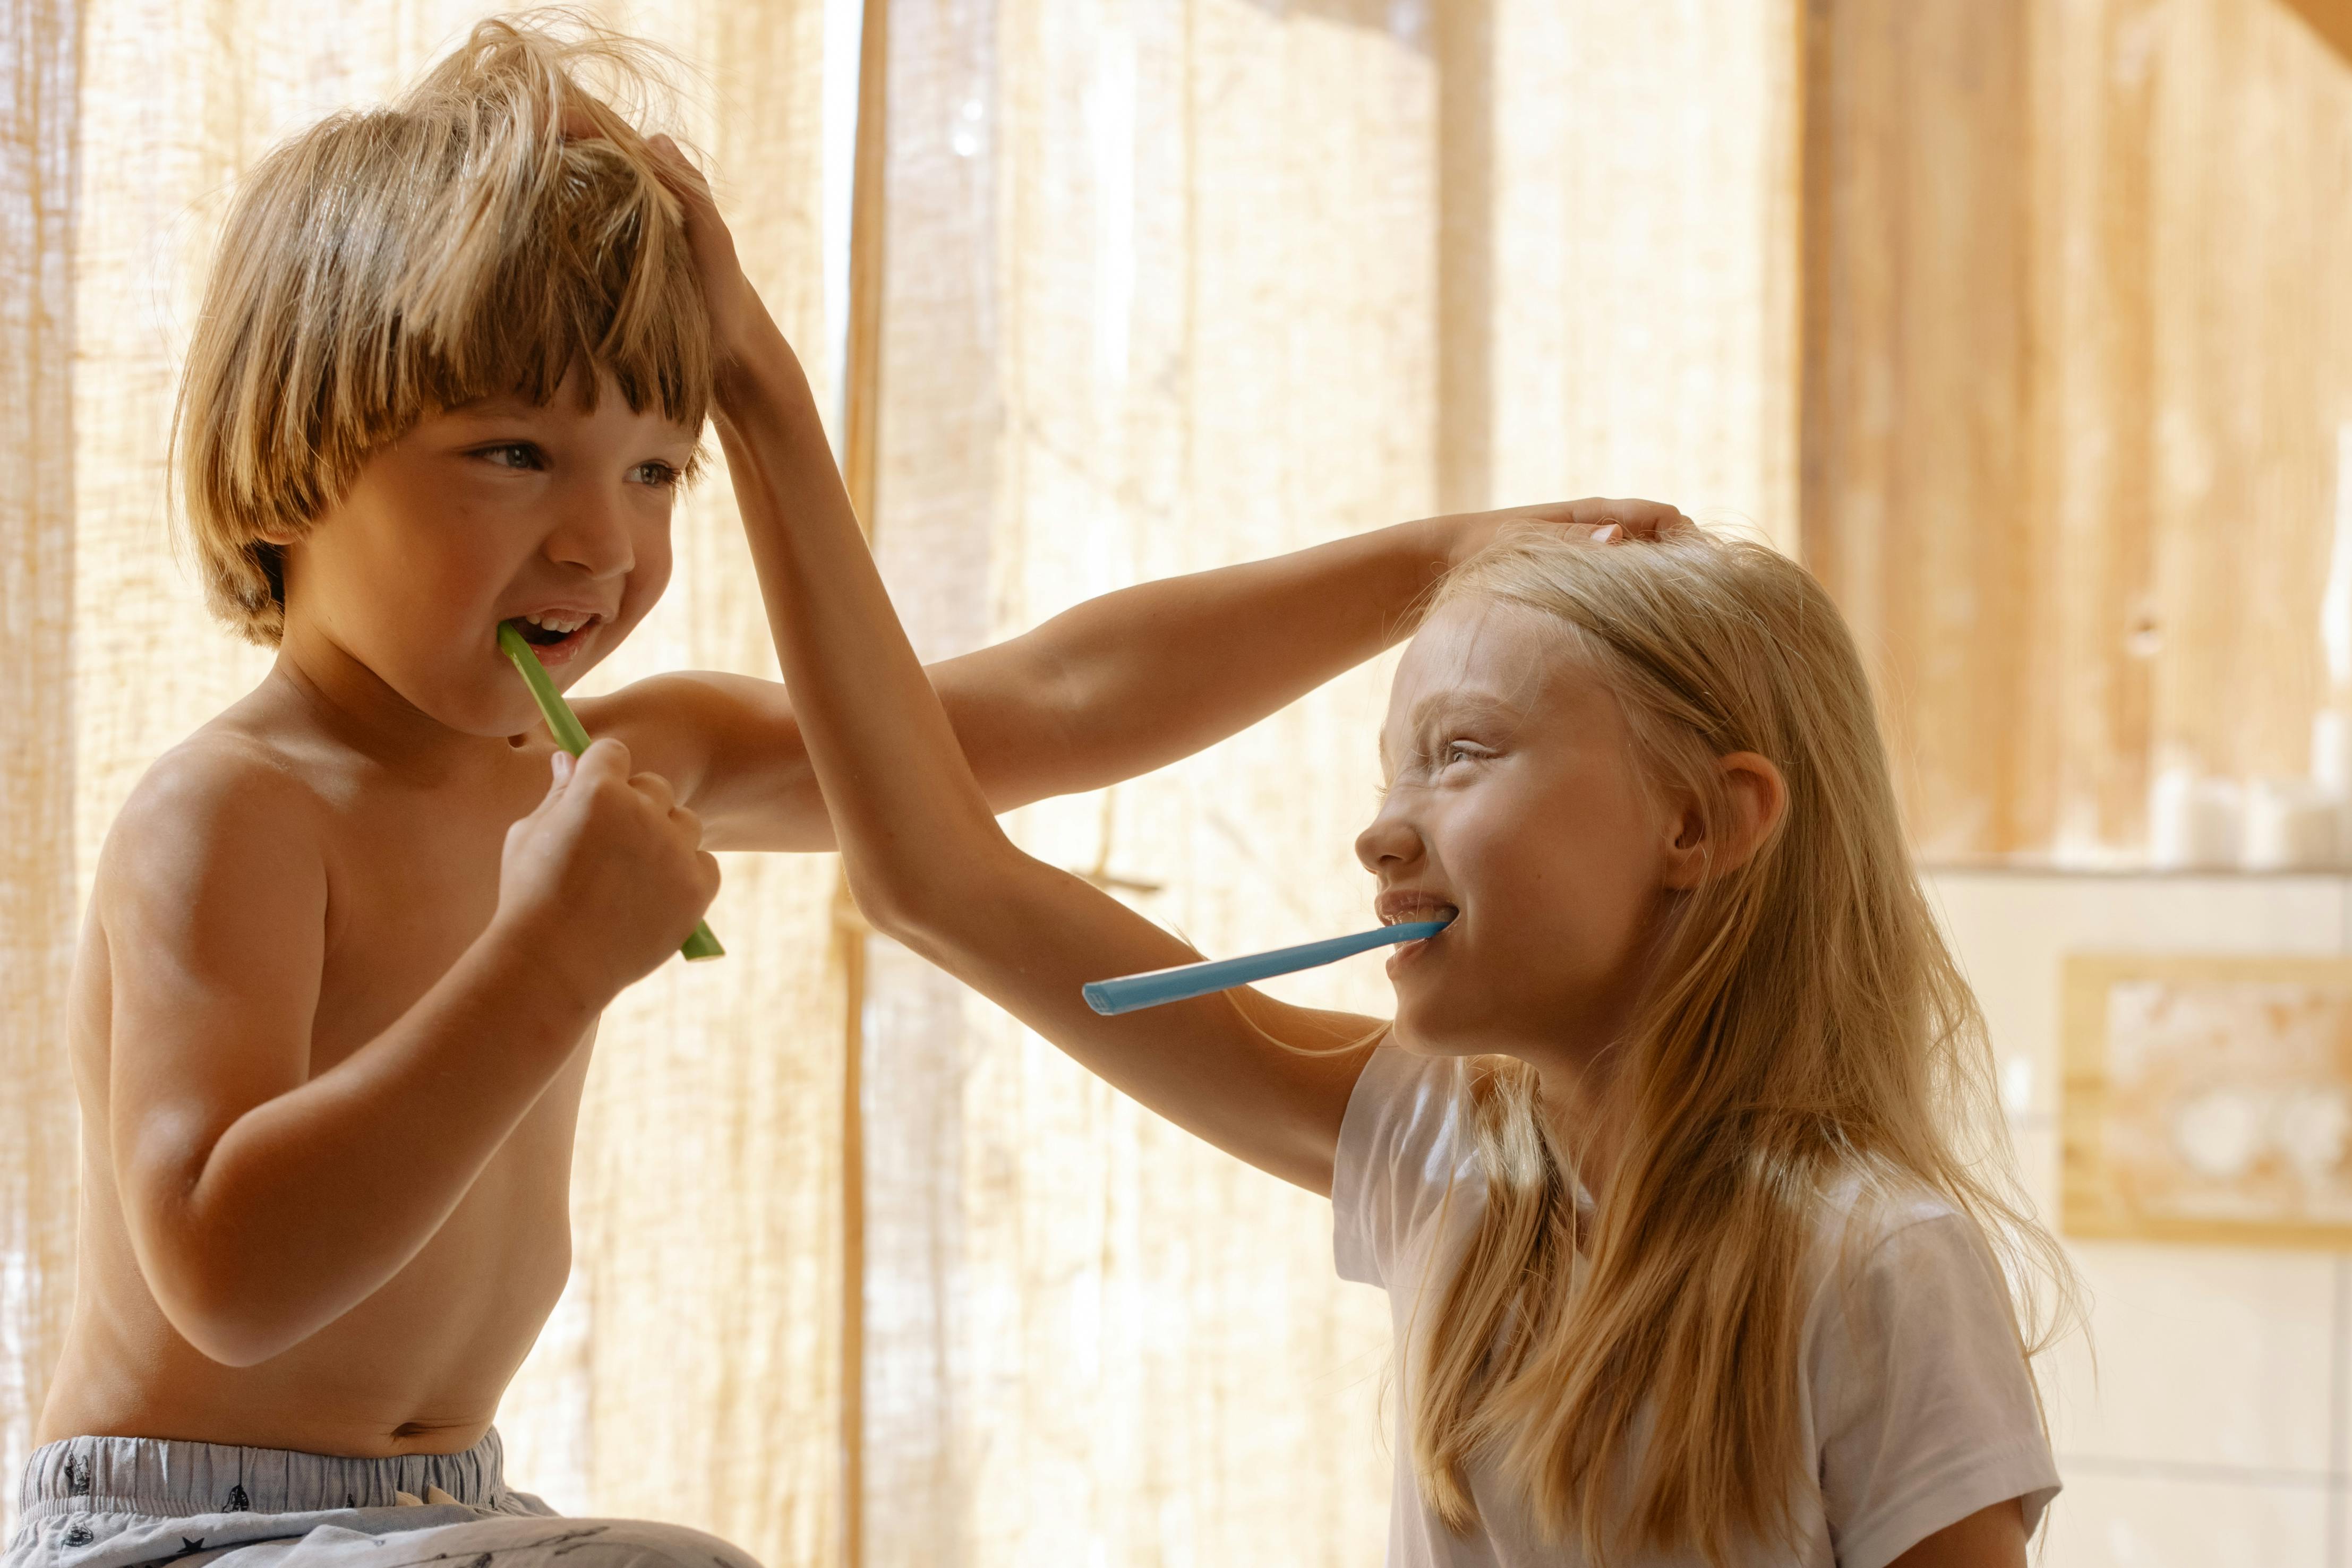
[
  {"x": 229, "y": 1308},
  {"x": 225, "y": 1314}
]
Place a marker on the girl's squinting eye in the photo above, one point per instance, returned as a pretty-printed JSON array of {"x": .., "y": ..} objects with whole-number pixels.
[
  {"x": 1455, "y": 751},
  {"x": 655, "y": 473}
]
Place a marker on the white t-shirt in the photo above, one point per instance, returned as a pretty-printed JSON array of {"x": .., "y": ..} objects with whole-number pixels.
[{"x": 1915, "y": 1404}]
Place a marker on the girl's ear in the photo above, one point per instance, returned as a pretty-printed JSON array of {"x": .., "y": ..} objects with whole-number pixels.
[{"x": 1757, "y": 797}]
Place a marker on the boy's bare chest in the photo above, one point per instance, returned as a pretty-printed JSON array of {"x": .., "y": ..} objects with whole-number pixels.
[{"x": 411, "y": 887}]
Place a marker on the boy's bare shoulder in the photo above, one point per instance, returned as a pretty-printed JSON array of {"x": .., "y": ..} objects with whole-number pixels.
[{"x": 225, "y": 790}]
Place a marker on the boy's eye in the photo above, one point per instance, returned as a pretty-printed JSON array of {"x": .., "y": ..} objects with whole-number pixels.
[
  {"x": 513, "y": 455},
  {"x": 657, "y": 474}
]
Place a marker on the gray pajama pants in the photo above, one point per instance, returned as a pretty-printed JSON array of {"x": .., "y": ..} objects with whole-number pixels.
[{"x": 124, "y": 1502}]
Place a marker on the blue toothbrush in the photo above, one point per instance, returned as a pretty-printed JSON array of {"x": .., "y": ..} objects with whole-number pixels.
[{"x": 1149, "y": 989}]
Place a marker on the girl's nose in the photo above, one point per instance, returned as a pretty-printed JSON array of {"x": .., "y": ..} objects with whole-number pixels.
[{"x": 1391, "y": 843}]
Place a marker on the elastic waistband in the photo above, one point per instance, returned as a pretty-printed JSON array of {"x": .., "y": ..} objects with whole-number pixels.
[{"x": 167, "y": 1480}]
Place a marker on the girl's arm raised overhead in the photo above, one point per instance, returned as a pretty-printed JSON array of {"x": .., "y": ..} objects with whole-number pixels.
[{"x": 921, "y": 848}]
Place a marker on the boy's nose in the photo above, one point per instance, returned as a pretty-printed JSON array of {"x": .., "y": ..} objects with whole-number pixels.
[{"x": 593, "y": 536}]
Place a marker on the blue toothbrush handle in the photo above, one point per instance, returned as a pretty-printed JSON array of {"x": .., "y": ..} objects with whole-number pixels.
[{"x": 1149, "y": 989}]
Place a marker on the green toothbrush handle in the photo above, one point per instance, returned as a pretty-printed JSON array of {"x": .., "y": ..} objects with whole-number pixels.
[{"x": 565, "y": 726}]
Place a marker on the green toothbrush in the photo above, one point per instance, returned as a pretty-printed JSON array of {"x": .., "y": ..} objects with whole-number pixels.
[{"x": 564, "y": 725}]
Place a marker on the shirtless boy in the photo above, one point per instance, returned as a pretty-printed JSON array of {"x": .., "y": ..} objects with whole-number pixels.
[{"x": 348, "y": 942}]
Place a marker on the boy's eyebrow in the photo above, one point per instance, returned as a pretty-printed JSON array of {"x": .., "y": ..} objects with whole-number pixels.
[
  {"x": 509, "y": 406},
  {"x": 504, "y": 406}
]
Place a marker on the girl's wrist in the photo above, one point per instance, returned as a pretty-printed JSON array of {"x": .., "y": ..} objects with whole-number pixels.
[
  {"x": 759, "y": 379},
  {"x": 1461, "y": 536}
]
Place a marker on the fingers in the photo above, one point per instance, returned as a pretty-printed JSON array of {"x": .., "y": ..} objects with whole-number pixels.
[
  {"x": 605, "y": 761},
  {"x": 656, "y": 788},
  {"x": 1609, "y": 522},
  {"x": 1633, "y": 519},
  {"x": 674, "y": 169},
  {"x": 657, "y": 793},
  {"x": 1630, "y": 519},
  {"x": 559, "y": 769},
  {"x": 678, "y": 171}
]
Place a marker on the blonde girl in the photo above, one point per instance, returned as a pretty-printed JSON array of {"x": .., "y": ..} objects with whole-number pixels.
[{"x": 1677, "y": 1162}]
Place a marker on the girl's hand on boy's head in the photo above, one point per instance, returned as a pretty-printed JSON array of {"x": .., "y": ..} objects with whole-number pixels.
[
  {"x": 741, "y": 328},
  {"x": 1598, "y": 518},
  {"x": 739, "y": 321}
]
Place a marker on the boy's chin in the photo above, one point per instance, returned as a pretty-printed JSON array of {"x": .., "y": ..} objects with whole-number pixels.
[{"x": 496, "y": 714}]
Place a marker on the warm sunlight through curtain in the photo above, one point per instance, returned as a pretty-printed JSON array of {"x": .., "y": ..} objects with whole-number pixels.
[
  {"x": 1620, "y": 250},
  {"x": 1166, "y": 283},
  {"x": 1172, "y": 285},
  {"x": 692, "y": 1373},
  {"x": 38, "y": 898}
]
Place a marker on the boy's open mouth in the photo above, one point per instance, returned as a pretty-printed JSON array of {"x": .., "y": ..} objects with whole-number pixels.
[{"x": 555, "y": 631}]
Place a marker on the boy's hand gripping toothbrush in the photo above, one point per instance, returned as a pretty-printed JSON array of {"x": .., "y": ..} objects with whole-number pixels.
[
  {"x": 565, "y": 726},
  {"x": 1149, "y": 989}
]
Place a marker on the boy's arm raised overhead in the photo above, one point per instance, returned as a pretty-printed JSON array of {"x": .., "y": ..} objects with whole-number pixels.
[
  {"x": 266, "y": 1194},
  {"x": 1114, "y": 687}
]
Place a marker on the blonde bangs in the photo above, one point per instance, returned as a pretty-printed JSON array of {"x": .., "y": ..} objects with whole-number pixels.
[{"x": 392, "y": 263}]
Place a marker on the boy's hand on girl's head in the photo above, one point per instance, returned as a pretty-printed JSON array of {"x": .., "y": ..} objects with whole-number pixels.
[
  {"x": 607, "y": 876},
  {"x": 1599, "y": 518}
]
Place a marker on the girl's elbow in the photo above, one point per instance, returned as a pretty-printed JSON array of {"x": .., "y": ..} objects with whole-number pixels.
[
  {"x": 935, "y": 899},
  {"x": 899, "y": 907}
]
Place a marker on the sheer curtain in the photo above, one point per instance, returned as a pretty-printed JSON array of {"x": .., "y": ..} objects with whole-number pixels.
[
  {"x": 1176, "y": 284},
  {"x": 693, "y": 1370},
  {"x": 1165, "y": 284},
  {"x": 38, "y": 900}
]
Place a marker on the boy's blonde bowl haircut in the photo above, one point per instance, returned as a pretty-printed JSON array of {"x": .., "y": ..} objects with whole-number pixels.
[
  {"x": 1635, "y": 1367},
  {"x": 395, "y": 262}
]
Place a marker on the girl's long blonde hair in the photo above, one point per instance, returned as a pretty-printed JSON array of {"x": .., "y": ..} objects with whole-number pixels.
[
  {"x": 1634, "y": 1366},
  {"x": 499, "y": 227}
]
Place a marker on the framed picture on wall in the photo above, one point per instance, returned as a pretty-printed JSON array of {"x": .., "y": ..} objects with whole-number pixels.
[{"x": 2207, "y": 1100}]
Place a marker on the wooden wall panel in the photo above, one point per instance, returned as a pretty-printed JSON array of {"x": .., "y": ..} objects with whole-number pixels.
[
  {"x": 1917, "y": 447},
  {"x": 2076, "y": 339}
]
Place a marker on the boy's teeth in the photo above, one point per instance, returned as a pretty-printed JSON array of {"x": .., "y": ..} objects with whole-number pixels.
[{"x": 563, "y": 625}]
